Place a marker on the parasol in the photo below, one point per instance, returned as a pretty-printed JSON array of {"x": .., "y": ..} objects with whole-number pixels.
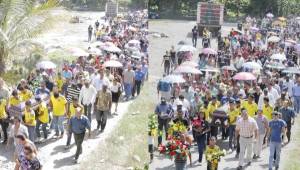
[
  {"x": 112, "y": 63},
  {"x": 174, "y": 79},
  {"x": 280, "y": 57},
  {"x": 187, "y": 48},
  {"x": 209, "y": 51},
  {"x": 187, "y": 69},
  {"x": 273, "y": 39},
  {"x": 292, "y": 70},
  {"x": 45, "y": 65},
  {"x": 244, "y": 76},
  {"x": 252, "y": 65},
  {"x": 189, "y": 63},
  {"x": 230, "y": 68}
]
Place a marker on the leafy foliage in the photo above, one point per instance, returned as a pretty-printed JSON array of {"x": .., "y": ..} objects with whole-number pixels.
[{"x": 21, "y": 20}]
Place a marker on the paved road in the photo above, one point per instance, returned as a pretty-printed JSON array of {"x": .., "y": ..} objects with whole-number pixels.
[{"x": 177, "y": 31}]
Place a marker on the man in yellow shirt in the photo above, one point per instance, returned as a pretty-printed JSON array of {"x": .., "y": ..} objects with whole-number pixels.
[
  {"x": 3, "y": 119},
  {"x": 267, "y": 109},
  {"x": 59, "y": 108},
  {"x": 25, "y": 94},
  {"x": 212, "y": 106},
  {"x": 250, "y": 106},
  {"x": 15, "y": 99},
  {"x": 59, "y": 82},
  {"x": 233, "y": 113},
  {"x": 43, "y": 118},
  {"x": 71, "y": 112},
  {"x": 29, "y": 120}
]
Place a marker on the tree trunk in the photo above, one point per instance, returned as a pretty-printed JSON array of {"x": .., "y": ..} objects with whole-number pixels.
[{"x": 3, "y": 57}]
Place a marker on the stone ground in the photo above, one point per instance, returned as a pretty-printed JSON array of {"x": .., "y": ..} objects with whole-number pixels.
[{"x": 177, "y": 30}]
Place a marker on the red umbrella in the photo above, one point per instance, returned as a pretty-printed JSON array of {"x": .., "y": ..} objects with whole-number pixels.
[{"x": 244, "y": 76}]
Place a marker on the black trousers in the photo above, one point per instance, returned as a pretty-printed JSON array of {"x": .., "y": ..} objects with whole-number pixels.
[
  {"x": 162, "y": 124},
  {"x": 78, "y": 141},
  {"x": 288, "y": 131},
  {"x": 137, "y": 87},
  {"x": 4, "y": 125}
]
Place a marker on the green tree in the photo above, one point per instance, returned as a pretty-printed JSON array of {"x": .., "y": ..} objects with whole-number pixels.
[{"x": 21, "y": 20}]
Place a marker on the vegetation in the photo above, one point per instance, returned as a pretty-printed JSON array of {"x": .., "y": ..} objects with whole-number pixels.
[
  {"x": 184, "y": 8},
  {"x": 129, "y": 137},
  {"x": 21, "y": 20}
]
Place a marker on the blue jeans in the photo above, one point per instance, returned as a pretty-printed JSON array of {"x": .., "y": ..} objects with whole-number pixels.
[
  {"x": 297, "y": 104},
  {"x": 31, "y": 132},
  {"x": 201, "y": 139},
  {"x": 274, "y": 147},
  {"x": 128, "y": 89},
  {"x": 231, "y": 131},
  {"x": 58, "y": 124}
]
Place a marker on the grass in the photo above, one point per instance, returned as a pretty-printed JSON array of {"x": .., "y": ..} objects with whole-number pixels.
[
  {"x": 118, "y": 154},
  {"x": 291, "y": 161}
]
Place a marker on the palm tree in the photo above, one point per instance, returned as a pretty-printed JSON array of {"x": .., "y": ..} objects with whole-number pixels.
[{"x": 21, "y": 20}]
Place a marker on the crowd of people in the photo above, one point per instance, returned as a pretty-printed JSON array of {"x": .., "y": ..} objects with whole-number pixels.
[
  {"x": 246, "y": 92},
  {"x": 51, "y": 103}
]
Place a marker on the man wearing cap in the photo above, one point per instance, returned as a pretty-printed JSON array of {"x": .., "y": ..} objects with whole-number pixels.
[
  {"x": 247, "y": 128},
  {"x": 164, "y": 113},
  {"x": 288, "y": 115},
  {"x": 262, "y": 123},
  {"x": 103, "y": 107},
  {"x": 277, "y": 128}
]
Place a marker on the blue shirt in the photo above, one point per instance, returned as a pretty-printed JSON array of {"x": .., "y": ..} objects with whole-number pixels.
[
  {"x": 296, "y": 91},
  {"x": 287, "y": 114},
  {"x": 78, "y": 126},
  {"x": 276, "y": 126},
  {"x": 164, "y": 86},
  {"x": 139, "y": 75},
  {"x": 67, "y": 74},
  {"x": 164, "y": 111},
  {"x": 42, "y": 91}
]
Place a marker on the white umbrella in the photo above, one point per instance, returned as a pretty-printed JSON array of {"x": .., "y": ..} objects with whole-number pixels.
[
  {"x": 135, "y": 42},
  {"x": 252, "y": 65},
  {"x": 230, "y": 68},
  {"x": 210, "y": 69},
  {"x": 189, "y": 63},
  {"x": 112, "y": 49},
  {"x": 280, "y": 57},
  {"x": 187, "y": 48},
  {"x": 174, "y": 79},
  {"x": 273, "y": 39},
  {"x": 292, "y": 70},
  {"x": 95, "y": 51},
  {"x": 270, "y": 15},
  {"x": 112, "y": 63},
  {"x": 78, "y": 52},
  {"x": 278, "y": 66},
  {"x": 46, "y": 65},
  {"x": 97, "y": 44},
  {"x": 187, "y": 69}
]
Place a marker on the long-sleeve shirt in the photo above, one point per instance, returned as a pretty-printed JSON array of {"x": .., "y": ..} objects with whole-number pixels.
[
  {"x": 79, "y": 125},
  {"x": 296, "y": 91},
  {"x": 87, "y": 95},
  {"x": 272, "y": 101}
]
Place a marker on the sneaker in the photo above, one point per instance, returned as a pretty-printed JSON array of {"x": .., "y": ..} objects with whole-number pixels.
[
  {"x": 67, "y": 147},
  {"x": 277, "y": 167},
  {"x": 75, "y": 161},
  {"x": 249, "y": 163},
  {"x": 230, "y": 150},
  {"x": 255, "y": 156},
  {"x": 239, "y": 168},
  {"x": 237, "y": 155}
]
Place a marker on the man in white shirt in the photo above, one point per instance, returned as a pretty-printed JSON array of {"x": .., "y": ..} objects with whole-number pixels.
[
  {"x": 273, "y": 91},
  {"x": 87, "y": 98},
  {"x": 265, "y": 93},
  {"x": 289, "y": 84},
  {"x": 99, "y": 79},
  {"x": 246, "y": 128}
]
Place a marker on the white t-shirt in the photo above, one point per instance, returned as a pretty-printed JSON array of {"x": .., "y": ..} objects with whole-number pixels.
[
  {"x": 21, "y": 131},
  {"x": 115, "y": 88}
]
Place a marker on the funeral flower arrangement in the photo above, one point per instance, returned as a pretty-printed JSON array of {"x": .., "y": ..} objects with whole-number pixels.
[
  {"x": 152, "y": 125},
  {"x": 176, "y": 129},
  {"x": 175, "y": 148}
]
